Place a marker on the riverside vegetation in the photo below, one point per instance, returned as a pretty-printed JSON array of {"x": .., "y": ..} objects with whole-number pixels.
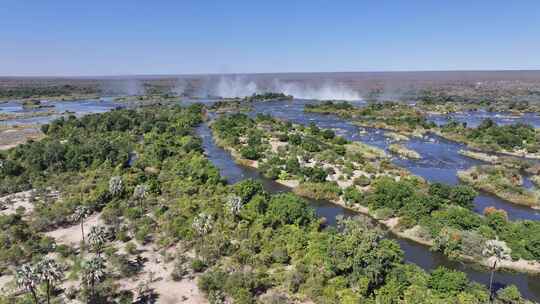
[
  {"x": 142, "y": 173},
  {"x": 321, "y": 165},
  {"x": 517, "y": 140}
]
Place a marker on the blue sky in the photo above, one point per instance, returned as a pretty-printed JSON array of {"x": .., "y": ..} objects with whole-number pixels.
[{"x": 118, "y": 37}]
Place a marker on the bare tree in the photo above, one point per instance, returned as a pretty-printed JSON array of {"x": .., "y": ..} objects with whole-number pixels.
[
  {"x": 496, "y": 249},
  {"x": 139, "y": 194}
]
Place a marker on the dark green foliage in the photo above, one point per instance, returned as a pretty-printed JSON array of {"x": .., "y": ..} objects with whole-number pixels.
[
  {"x": 314, "y": 174},
  {"x": 288, "y": 209},
  {"x": 507, "y": 137},
  {"x": 448, "y": 282},
  {"x": 250, "y": 152}
]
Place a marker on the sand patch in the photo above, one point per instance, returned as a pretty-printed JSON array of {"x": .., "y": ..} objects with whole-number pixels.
[
  {"x": 11, "y": 202},
  {"x": 71, "y": 235},
  {"x": 157, "y": 272},
  {"x": 15, "y": 135}
]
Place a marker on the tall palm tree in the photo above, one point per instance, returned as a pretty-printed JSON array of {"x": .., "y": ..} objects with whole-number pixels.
[
  {"x": 495, "y": 249},
  {"x": 97, "y": 238},
  {"x": 80, "y": 214},
  {"x": 93, "y": 271},
  {"x": 28, "y": 279},
  {"x": 139, "y": 194},
  {"x": 50, "y": 273}
]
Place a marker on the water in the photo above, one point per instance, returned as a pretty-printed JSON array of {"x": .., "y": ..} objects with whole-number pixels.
[
  {"x": 440, "y": 158},
  {"x": 474, "y": 118},
  {"x": 415, "y": 253},
  {"x": 78, "y": 107}
]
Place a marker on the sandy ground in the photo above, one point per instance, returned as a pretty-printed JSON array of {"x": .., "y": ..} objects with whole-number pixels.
[
  {"x": 155, "y": 268},
  {"x": 19, "y": 199},
  {"x": 158, "y": 272},
  {"x": 71, "y": 235},
  {"x": 13, "y": 136},
  {"x": 4, "y": 281}
]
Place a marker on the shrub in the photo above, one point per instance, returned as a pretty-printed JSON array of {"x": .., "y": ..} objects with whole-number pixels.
[
  {"x": 362, "y": 181},
  {"x": 448, "y": 282},
  {"x": 351, "y": 195},
  {"x": 198, "y": 265},
  {"x": 250, "y": 152}
]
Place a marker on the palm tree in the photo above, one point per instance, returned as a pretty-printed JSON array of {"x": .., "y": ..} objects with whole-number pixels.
[
  {"x": 203, "y": 223},
  {"x": 50, "y": 273},
  {"x": 81, "y": 213},
  {"x": 497, "y": 250},
  {"x": 139, "y": 194},
  {"x": 97, "y": 238},
  {"x": 93, "y": 271},
  {"x": 28, "y": 279},
  {"x": 234, "y": 204},
  {"x": 116, "y": 186}
]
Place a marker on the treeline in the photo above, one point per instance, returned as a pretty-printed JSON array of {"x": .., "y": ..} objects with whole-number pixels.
[{"x": 22, "y": 92}]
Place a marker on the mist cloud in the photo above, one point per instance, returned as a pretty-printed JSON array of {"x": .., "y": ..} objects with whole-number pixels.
[{"x": 240, "y": 86}]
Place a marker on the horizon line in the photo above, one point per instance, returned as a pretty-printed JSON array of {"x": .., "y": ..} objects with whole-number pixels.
[{"x": 89, "y": 76}]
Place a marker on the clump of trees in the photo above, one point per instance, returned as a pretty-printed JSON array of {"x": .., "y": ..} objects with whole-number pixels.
[{"x": 492, "y": 137}]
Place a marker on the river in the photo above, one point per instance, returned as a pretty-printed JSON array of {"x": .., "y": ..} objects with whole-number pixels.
[{"x": 421, "y": 255}]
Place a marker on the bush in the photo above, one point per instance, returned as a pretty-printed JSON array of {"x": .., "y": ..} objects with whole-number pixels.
[
  {"x": 509, "y": 295},
  {"x": 250, "y": 152},
  {"x": 406, "y": 222},
  {"x": 351, "y": 195},
  {"x": 448, "y": 282},
  {"x": 198, "y": 265},
  {"x": 362, "y": 181},
  {"x": 314, "y": 174},
  {"x": 131, "y": 248},
  {"x": 179, "y": 271},
  {"x": 319, "y": 191},
  {"x": 295, "y": 139},
  {"x": 463, "y": 195},
  {"x": 383, "y": 213}
]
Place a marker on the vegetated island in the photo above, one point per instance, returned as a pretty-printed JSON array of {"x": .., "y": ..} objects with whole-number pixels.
[{"x": 318, "y": 164}]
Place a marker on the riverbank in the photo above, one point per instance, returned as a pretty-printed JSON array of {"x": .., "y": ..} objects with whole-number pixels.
[
  {"x": 502, "y": 182},
  {"x": 392, "y": 224}
]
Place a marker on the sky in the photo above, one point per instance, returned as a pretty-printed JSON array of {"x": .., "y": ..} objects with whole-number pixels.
[{"x": 120, "y": 37}]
